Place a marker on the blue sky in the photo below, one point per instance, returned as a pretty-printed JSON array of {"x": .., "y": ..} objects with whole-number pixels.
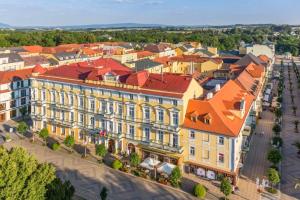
[{"x": 169, "y": 12}]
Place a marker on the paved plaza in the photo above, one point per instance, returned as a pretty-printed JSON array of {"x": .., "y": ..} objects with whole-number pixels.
[{"x": 290, "y": 163}]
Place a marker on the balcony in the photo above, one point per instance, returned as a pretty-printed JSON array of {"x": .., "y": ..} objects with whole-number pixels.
[
  {"x": 163, "y": 146},
  {"x": 114, "y": 135}
]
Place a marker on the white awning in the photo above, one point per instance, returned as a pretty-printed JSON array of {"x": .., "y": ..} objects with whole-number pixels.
[
  {"x": 166, "y": 168},
  {"x": 149, "y": 163},
  {"x": 268, "y": 91},
  {"x": 266, "y": 97}
]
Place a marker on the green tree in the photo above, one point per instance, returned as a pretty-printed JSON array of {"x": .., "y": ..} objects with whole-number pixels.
[
  {"x": 104, "y": 193},
  {"x": 135, "y": 159},
  {"x": 226, "y": 187},
  {"x": 23, "y": 111},
  {"x": 276, "y": 129},
  {"x": 22, "y": 177},
  {"x": 22, "y": 128},
  {"x": 58, "y": 190},
  {"x": 69, "y": 141},
  {"x": 175, "y": 177},
  {"x": 44, "y": 134},
  {"x": 101, "y": 150},
  {"x": 273, "y": 176},
  {"x": 199, "y": 191},
  {"x": 274, "y": 156},
  {"x": 117, "y": 164}
]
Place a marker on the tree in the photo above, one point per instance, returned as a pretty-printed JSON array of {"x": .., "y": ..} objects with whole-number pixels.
[
  {"x": 23, "y": 111},
  {"x": 277, "y": 141},
  {"x": 199, "y": 191},
  {"x": 274, "y": 156},
  {"x": 117, "y": 164},
  {"x": 58, "y": 190},
  {"x": 297, "y": 145},
  {"x": 69, "y": 141},
  {"x": 296, "y": 123},
  {"x": 104, "y": 193},
  {"x": 135, "y": 159},
  {"x": 294, "y": 109},
  {"x": 175, "y": 177},
  {"x": 101, "y": 150},
  {"x": 22, "y": 177},
  {"x": 226, "y": 187},
  {"x": 273, "y": 176},
  {"x": 276, "y": 129},
  {"x": 22, "y": 128},
  {"x": 44, "y": 134},
  {"x": 278, "y": 112}
]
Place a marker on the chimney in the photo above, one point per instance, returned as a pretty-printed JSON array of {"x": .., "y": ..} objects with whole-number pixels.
[
  {"x": 209, "y": 95},
  {"x": 217, "y": 87}
]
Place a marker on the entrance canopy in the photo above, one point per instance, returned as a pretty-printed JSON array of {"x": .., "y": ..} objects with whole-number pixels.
[
  {"x": 149, "y": 163},
  {"x": 166, "y": 168}
]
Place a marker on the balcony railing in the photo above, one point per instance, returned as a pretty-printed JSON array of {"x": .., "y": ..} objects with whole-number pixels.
[{"x": 163, "y": 146}]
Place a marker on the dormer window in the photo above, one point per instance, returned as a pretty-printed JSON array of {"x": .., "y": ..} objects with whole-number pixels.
[{"x": 207, "y": 119}]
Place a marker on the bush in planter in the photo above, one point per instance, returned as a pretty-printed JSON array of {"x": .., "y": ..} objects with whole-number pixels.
[
  {"x": 55, "y": 146},
  {"x": 44, "y": 134},
  {"x": 274, "y": 156},
  {"x": 135, "y": 159},
  {"x": 175, "y": 177},
  {"x": 101, "y": 150},
  {"x": 199, "y": 191},
  {"x": 7, "y": 137},
  {"x": 297, "y": 145},
  {"x": 273, "y": 177},
  {"x": 226, "y": 187},
  {"x": 276, "y": 129},
  {"x": 277, "y": 141},
  {"x": 22, "y": 128},
  {"x": 69, "y": 141},
  {"x": 117, "y": 165}
]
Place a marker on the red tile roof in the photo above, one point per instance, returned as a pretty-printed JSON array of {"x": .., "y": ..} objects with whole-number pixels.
[
  {"x": 223, "y": 111},
  {"x": 143, "y": 54},
  {"x": 195, "y": 58},
  {"x": 33, "y": 49},
  {"x": 33, "y": 60},
  {"x": 264, "y": 58},
  {"x": 9, "y": 76}
]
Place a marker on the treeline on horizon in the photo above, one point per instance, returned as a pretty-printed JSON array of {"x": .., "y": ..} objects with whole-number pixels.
[{"x": 224, "y": 40}]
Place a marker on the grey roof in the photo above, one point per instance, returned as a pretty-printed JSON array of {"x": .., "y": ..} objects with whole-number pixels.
[
  {"x": 145, "y": 64},
  {"x": 204, "y": 51},
  {"x": 188, "y": 46},
  {"x": 247, "y": 59},
  {"x": 12, "y": 57},
  {"x": 65, "y": 55}
]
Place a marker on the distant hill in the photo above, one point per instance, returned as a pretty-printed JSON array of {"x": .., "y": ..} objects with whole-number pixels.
[{"x": 4, "y": 25}]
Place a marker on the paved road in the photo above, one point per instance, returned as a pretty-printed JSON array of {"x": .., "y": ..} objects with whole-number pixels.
[{"x": 88, "y": 178}]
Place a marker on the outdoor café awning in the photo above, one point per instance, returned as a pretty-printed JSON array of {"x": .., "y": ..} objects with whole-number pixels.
[
  {"x": 166, "y": 168},
  {"x": 149, "y": 163}
]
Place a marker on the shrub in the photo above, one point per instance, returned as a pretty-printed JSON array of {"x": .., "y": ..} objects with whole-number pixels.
[
  {"x": 7, "y": 137},
  {"x": 276, "y": 129},
  {"x": 273, "y": 176},
  {"x": 117, "y": 165},
  {"x": 225, "y": 187},
  {"x": 101, "y": 150},
  {"x": 55, "y": 146},
  {"x": 199, "y": 191},
  {"x": 44, "y": 134},
  {"x": 135, "y": 159},
  {"x": 69, "y": 141},
  {"x": 274, "y": 156},
  {"x": 175, "y": 177},
  {"x": 277, "y": 141},
  {"x": 22, "y": 127}
]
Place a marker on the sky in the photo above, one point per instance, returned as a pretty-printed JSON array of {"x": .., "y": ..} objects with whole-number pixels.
[{"x": 167, "y": 12}]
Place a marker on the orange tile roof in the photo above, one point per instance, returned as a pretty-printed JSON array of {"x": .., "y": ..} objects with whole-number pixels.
[
  {"x": 163, "y": 60},
  {"x": 256, "y": 71},
  {"x": 195, "y": 58},
  {"x": 143, "y": 54},
  {"x": 223, "y": 109},
  {"x": 33, "y": 49},
  {"x": 9, "y": 76},
  {"x": 264, "y": 58}
]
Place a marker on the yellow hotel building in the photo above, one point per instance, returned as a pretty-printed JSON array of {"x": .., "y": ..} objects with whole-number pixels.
[{"x": 134, "y": 111}]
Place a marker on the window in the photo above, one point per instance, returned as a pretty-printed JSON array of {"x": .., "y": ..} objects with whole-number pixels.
[
  {"x": 62, "y": 98},
  {"x": 80, "y": 118},
  {"x": 62, "y": 115},
  {"x": 131, "y": 131},
  {"x": 13, "y": 104},
  {"x": 131, "y": 96},
  {"x": 71, "y": 98},
  {"x": 221, "y": 140},
  {"x": 131, "y": 112},
  {"x": 111, "y": 108},
  {"x": 92, "y": 104},
  {"x": 119, "y": 128},
  {"x": 23, "y": 101},
  {"x": 221, "y": 158},
  {"x": 160, "y": 100},
  {"x": 81, "y": 102},
  {"x": 53, "y": 129},
  {"x": 146, "y": 99},
  {"x": 146, "y": 113},
  {"x": 23, "y": 93},
  {"x": 111, "y": 126},
  {"x": 175, "y": 119},
  {"x": 192, "y": 151},
  {"x": 175, "y": 103},
  {"x": 63, "y": 131},
  {"x": 175, "y": 140},
  {"x": 146, "y": 134},
  {"x": 71, "y": 116},
  {"x": 44, "y": 110},
  {"x": 72, "y": 134},
  {"x": 92, "y": 121},
  {"x": 120, "y": 109},
  {"x": 119, "y": 94},
  {"x": 160, "y": 115},
  {"x": 160, "y": 136},
  {"x": 205, "y": 137},
  {"x": 192, "y": 134},
  {"x": 103, "y": 124},
  {"x": 43, "y": 95},
  {"x": 52, "y": 96},
  {"x": 103, "y": 106}
]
